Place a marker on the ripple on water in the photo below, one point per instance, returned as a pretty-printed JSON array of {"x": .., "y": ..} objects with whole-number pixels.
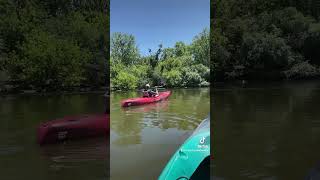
[
  {"x": 74, "y": 152},
  {"x": 253, "y": 174},
  {"x": 171, "y": 120}
]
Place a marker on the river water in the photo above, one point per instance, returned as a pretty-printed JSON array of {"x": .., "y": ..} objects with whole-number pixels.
[
  {"x": 22, "y": 158},
  {"x": 144, "y": 138},
  {"x": 266, "y": 131},
  {"x": 261, "y": 131}
]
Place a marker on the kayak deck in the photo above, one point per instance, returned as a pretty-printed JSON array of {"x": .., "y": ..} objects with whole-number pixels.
[{"x": 192, "y": 159}]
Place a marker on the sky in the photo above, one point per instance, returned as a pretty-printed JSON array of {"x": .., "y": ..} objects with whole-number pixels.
[{"x": 155, "y": 22}]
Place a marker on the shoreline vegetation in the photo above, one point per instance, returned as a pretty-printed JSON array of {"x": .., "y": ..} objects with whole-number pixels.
[
  {"x": 257, "y": 40},
  {"x": 54, "y": 46},
  {"x": 162, "y": 88},
  {"x": 9, "y": 90},
  {"x": 184, "y": 65}
]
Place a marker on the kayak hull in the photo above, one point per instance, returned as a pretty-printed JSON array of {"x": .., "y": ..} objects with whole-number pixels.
[
  {"x": 145, "y": 100},
  {"x": 192, "y": 159},
  {"x": 73, "y": 127}
]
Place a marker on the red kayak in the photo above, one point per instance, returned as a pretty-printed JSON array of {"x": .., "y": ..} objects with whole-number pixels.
[
  {"x": 73, "y": 127},
  {"x": 151, "y": 107},
  {"x": 145, "y": 100}
]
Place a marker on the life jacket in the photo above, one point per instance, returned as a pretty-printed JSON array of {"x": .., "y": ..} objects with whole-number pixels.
[{"x": 145, "y": 94}]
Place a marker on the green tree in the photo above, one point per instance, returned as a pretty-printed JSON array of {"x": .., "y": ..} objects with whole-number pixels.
[
  {"x": 259, "y": 39},
  {"x": 201, "y": 48},
  {"x": 46, "y": 61},
  {"x": 180, "y": 66},
  {"x": 265, "y": 52},
  {"x": 181, "y": 49},
  {"x": 65, "y": 29},
  {"x": 124, "y": 48}
]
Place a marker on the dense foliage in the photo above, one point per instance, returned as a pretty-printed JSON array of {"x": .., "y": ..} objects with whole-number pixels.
[
  {"x": 258, "y": 39},
  {"x": 51, "y": 45},
  {"x": 180, "y": 66}
]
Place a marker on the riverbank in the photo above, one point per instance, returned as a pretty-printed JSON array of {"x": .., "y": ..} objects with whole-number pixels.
[
  {"x": 139, "y": 89},
  {"x": 7, "y": 89},
  {"x": 247, "y": 83},
  {"x": 302, "y": 72}
]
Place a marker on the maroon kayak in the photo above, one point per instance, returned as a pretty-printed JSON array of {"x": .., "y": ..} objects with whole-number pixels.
[
  {"x": 73, "y": 127},
  {"x": 145, "y": 100}
]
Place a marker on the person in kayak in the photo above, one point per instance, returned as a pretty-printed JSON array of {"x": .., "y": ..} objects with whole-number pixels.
[
  {"x": 148, "y": 92},
  {"x": 155, "y": 93}
]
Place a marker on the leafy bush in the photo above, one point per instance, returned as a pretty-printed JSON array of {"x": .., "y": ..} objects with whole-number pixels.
[
  {"x": 48, "y": 61},
  {"x": 191, "y": 78},
  {"x": 301, "y": 71},
  {"x": 203, "y": 71},
  {"x": 125, "y": 81},
  {"x": 173, "y": 78},
  {"x": 54, "y": 44},
  {"x": 266, "y": 37},
  {"x": 264, "y": 51},
  {"x": 182, "y": 65},
  {"x": 141, "y": 72},
  {"x": 312, "y": 44},
  {"x": 115, "y": 68}
]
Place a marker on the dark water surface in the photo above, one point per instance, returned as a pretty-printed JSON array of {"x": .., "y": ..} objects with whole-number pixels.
[
  {"x": 266, "y": 131},
  {"x": 144, "y": 138},
  {"x": 20, "y": 156}
]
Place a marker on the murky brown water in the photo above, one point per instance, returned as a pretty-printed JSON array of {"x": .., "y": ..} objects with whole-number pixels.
[
  {"x": 266, "y": 131},
  {"x": 144, "y": 138},
  {"x": 22, "y": 158}
]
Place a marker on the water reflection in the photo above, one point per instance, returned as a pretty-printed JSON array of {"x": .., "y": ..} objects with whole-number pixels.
[{"x": 266, "y": 131}]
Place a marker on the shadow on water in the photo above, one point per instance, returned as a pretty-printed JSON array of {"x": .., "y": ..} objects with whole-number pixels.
[
  {"x": 266, "y": 131},
  {"x": 144, "y": 138},
  {"x": 22, "y": 158}
]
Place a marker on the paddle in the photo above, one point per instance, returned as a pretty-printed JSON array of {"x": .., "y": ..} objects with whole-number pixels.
[{"x": 160, "y": 88}]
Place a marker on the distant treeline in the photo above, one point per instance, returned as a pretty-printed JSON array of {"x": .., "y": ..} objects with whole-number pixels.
[
  {"x": 184, "y": 65},
  {"x": 265, "y": 39},
  {"x": 51, "y": 45}
]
